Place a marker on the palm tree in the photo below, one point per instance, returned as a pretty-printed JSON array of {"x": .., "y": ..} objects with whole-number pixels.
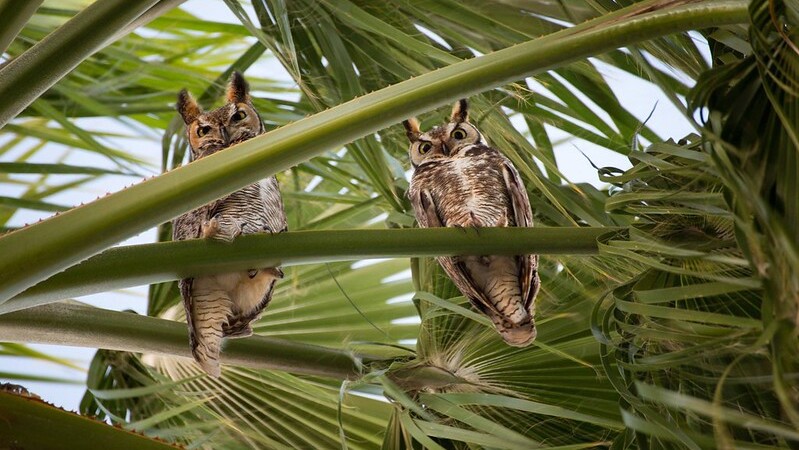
[{"x": 669, "y": 310}]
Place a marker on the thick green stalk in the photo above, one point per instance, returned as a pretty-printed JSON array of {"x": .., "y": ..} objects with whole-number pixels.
[
  {"x": 123, "y": 267},
  {"x": 71, "y": 323},
  {"x": 29, "y": 75},
  {"x": 37, "y": 252},
  {"x": 24, "y": 419},
  {"x": 14, "y": 14}
]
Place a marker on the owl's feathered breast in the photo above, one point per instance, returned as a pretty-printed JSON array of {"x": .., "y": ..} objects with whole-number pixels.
[
  {"x": 468, "y": 190},
  {"x": 259, "y": 207}
]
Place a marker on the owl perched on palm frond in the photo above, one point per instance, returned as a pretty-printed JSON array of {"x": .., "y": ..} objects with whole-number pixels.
[
  {"x": 460, "y": 181},
  {"x": 225, "y": 304}
]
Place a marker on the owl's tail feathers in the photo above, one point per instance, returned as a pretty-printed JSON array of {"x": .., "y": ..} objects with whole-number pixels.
[
  {"x": 208, "y": 363},
  {"x": 210, "y": 313},
  {"x": 514, "y": 323},
  {"x": 518, "y": 335},
  {"x": 501, "y": 286}
]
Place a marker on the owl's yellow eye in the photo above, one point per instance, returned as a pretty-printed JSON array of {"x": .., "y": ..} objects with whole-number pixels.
[
  {"x": 202, "y": 131},
  {"x": 240, "y": 115},
  {"x": 458, "y": 134},
  {"x": 425, "y": 147}
]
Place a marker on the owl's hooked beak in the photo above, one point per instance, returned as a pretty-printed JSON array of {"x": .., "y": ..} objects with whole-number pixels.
[
  {"x": 225, "y": 135},
  {"x": 444, "y": 149}
]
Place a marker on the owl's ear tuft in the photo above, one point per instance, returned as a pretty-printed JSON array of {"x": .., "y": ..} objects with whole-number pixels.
[
  {"x": 237, "y": 89},
  {"x": 412, "y": 128},
  {"x": 460, "y": 111},
  {"x": 188, "y": 107}
]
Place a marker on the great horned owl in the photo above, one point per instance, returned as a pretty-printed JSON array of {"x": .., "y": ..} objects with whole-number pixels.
[
  {"x": 460, "y": 181},
  {"x": 225, "y": 304}
]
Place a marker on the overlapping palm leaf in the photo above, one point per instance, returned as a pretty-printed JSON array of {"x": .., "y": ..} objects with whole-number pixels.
[{"x": 688, "y": 336}]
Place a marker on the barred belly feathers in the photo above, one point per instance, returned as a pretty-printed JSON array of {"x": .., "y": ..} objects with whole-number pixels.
[
  {"x": 461, "y": 181},
  {"x": 226, "y": 304}
]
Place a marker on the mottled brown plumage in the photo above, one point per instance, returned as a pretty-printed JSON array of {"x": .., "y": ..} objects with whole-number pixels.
[
  {"x": 224, "y": 305},
  {"x": 460, "y": 181}
]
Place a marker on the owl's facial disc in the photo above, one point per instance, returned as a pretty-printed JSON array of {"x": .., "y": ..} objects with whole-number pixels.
[
  {"x": 206, "y": 137},
  {"x": 425, "y": 149},
  {"x": 430, "y": 145},
  {"x": 442, "y": 141},
  {"x": 234, "y": 122},
  {"x": 461, "y": 134},
  {"x": 222, "y": 128},
  {"x": 242, "y": 123}
]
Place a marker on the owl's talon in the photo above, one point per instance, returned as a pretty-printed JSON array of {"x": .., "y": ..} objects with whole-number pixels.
[
  {"x": 252, "y": 273},
  {"x": 210, "y": 228},
  {"x": 215, "y": 230}
]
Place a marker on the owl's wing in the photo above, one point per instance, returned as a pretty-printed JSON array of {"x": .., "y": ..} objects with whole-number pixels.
[
  {"x": 426, "y": 210},
  {"x": 189, "y": 226},
  {"x": 185, "y": 286},
  {"x": 427, "y": 214},
  {"x": 523, "y": 217},
  {"x": 275, "y": 213}
]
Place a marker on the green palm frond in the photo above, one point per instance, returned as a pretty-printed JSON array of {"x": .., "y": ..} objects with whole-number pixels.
[
  {"x": 245, "y": 407},
  {"x": 688, "y": 336},
  {"x": 681, "y": 332},
  {"x": 483, "y": 391},
  {"x": 757, "y": 162}
]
